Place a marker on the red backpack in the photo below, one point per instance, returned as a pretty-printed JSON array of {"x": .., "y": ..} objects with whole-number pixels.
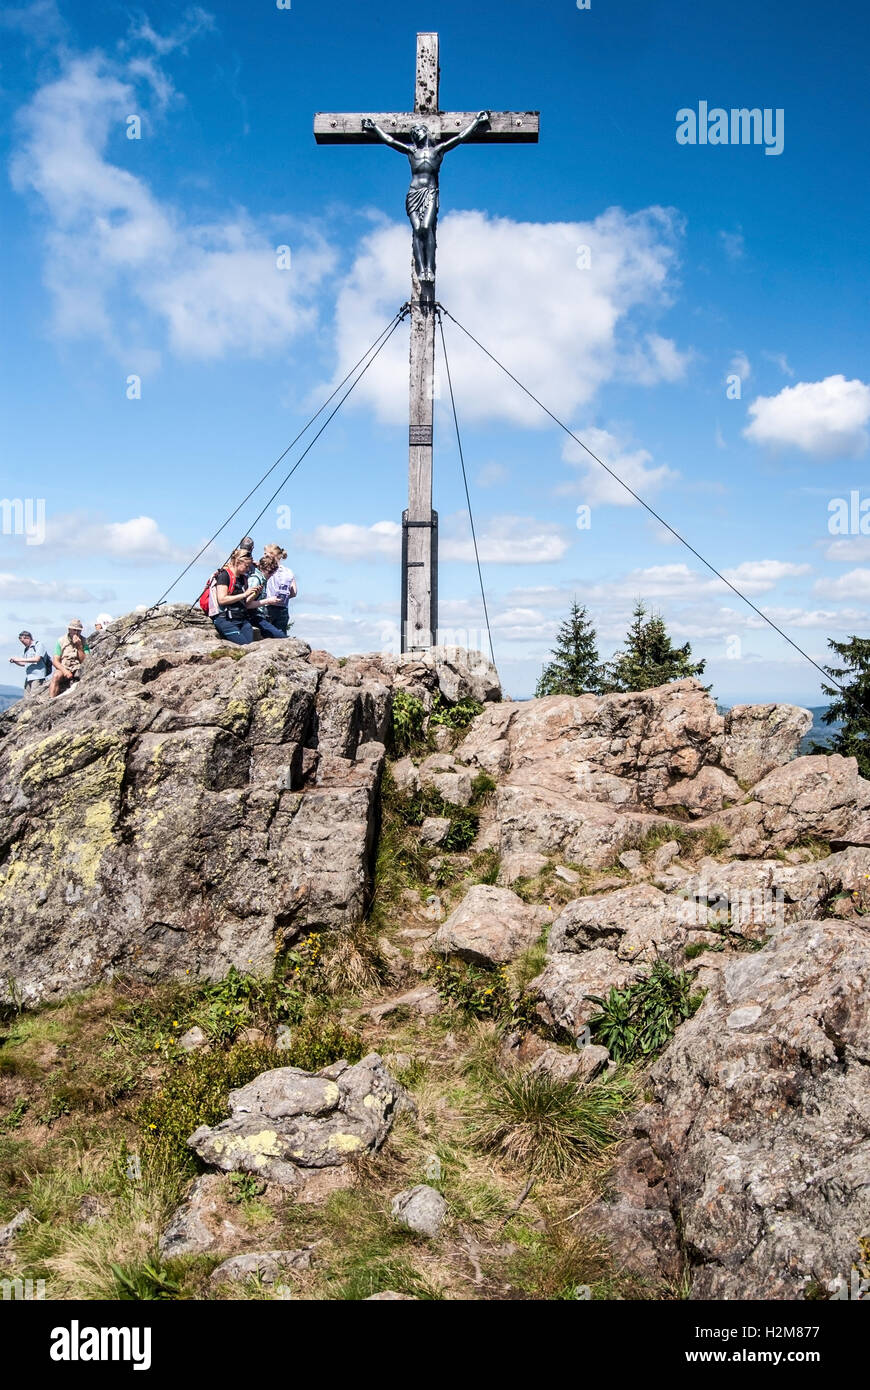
[{"x": 204, "y": 596}]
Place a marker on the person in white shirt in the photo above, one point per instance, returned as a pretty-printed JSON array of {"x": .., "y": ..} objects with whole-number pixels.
[
  {"x": 274, "y": 603},
  {"x": 36, "y": 661}
]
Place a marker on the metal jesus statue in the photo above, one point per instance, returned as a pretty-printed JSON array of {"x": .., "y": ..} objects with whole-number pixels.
[{"x": 425, "y": 156}]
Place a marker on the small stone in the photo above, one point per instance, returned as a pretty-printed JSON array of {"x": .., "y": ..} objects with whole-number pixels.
[
  {"x": 566, "y": 875},
  {"x": 200, "y": 1225},
  {"x": 578, "y": 1066},
  {"x": 266, "y": 1266},
  {"x": 665, "y": 855},
  {"x": 253, "y": 1037},
  {"x": 420, "y": 1208},
  {"x": 434, "y": 830},
  {"x": 434, "y": 909},
  {"x": 11, "y": 1229},
  {"x": 631, "y": 859},
  {"x": 424, "y": 1000},
  {"x": 193, "y": 1040},
  {"x": 90, "y": 1210}
]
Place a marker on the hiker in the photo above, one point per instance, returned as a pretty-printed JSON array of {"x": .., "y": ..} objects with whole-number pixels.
[
  {"x": 36, "y": 661},
  {"x": 256, "y": 582},
  {"x": 69, "y": 658},
  {"x": 228, "y": 593},
  {"x": 274, "y": 611}
]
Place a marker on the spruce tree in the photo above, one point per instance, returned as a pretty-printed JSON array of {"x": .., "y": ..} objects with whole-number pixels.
[
  {"x": 574, "y": 668},
  {"x": 852, "y": 703},
  {"x": 649, "y": 657}
]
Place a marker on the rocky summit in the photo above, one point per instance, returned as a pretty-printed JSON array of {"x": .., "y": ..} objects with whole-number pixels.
[
  {"x": 193, "y": 805},
  {"x": 414, "y": 991}
]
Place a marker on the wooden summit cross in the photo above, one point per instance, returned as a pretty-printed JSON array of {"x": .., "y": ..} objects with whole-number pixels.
[{"x": 424, "y": 135}]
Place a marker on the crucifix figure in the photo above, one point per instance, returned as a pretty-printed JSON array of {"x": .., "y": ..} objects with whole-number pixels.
[
  {"x": 421, "y": 204},
  {"x": 424, "y": 135}
]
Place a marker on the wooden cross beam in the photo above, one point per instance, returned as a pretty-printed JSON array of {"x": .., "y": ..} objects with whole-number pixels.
[{"x": 425, "y": 149}]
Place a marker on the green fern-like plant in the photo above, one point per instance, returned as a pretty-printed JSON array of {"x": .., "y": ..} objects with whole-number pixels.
[{"x": 639, "y": 1020}]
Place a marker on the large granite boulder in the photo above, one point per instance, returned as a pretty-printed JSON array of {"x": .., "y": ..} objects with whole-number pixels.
[
  {"x": 822, "y": 796},
  {"x": 288, "y": 1120},
  {"x": 759, "y": 738},
  {"x": 582, "y": 777},
  {"x": 638, "y": 923},
  {"x": 757, "y": 1137},
  {"x": 561, "y": 991},
  {"x": 491, "y": 926},
  {"x": 189, "y": 805}
]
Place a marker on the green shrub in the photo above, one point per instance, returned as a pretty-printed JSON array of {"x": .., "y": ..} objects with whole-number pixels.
[
  {"x": 551, "y": 1127},
  {"x": 482, "y": 787},
  {"x": 475, "y": 992},
  {"x": 195, "y": 1093},
  {"x": 464, "y": 820},
  {"x": 196, "y": 1089},
  {"x": 408, "y": 718},
  {"x": 144, "y": 1282},
  {"x": 639, "y": 1020},
  {"x": 457, "y": 716},
  {"x": 317, "y": 1042}
]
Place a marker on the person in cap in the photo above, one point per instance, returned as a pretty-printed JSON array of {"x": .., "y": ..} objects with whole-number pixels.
[
  {"x": 35, "y": 660},
  {"x": 69, "y": 658}
]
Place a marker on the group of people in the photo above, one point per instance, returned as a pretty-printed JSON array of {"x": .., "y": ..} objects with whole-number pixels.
[
  {"x": 59, "y": 670},
  {"x": 243, "y": 595},
  {"x": 240, "y": 596}
]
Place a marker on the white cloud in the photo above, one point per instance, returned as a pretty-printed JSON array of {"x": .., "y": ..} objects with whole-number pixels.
[
  {"x": 504, "y": 540},
  {"x": 40, "y": 21},
  {"x": 194, "y": 21},
  {"x": 564, "y": 331},
  {"x": 117, "y": 257},
  {"x": 491, "y": 474},
  {"x": 827, "y": 618},
  {"x": 16, "y": 586},
  {"x": 501, "y": 540},
  {"x": 847, "y": 549},
  {"x": 825, "y": 418},
  {"x": 138, "y": 540},
  {"x": 733, "y": 244},
  {"x": 781, "y": 361},
  {"x": 740, "y": 366},
  {"x": 595, "y": 486},
  {"x": 854, "y": 585},
  {"x": 758, "y": 576},
  {"x": 352, "y": 542}
]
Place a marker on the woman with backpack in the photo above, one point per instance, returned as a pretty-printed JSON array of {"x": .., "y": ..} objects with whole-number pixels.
[{"x": 228, "y": 593}]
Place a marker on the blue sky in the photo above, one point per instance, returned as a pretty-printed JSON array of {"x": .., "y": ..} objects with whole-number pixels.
[{"x": 157, "y": 258}]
